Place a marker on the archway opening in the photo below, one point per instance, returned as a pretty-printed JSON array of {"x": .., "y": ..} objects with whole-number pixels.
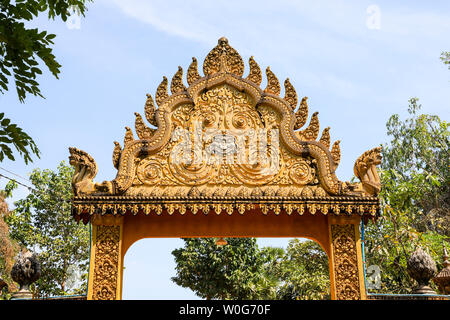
[{"x": 297, "y": 269}]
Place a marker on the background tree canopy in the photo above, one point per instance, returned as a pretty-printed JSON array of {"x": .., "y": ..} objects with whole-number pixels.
[
  {"x": 42, "y": 222},
  {"x": 241, "y": 270},
  {"x": 233, "y": 271},
  {"x": 22, "y": 52},
  {"x": 415, "y": 197}
]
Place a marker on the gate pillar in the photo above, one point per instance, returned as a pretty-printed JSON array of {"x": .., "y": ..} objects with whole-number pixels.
[
  {"x": 106, "y": 265},
  {"x": 346, "y": 268}
]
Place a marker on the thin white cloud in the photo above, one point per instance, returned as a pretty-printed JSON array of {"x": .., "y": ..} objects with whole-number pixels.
[
  {"x": 253, "y": 27},
  {"x": 327, "y": 33}
]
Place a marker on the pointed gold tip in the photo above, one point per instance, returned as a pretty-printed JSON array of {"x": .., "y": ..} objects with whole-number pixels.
[
  {"x": 221, "y": 242},
  {"x": 273, "y": 85},
  {"x": 255, "y": 74}
]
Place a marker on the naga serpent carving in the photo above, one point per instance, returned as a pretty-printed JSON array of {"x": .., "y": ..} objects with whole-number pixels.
[
  {"x": 85, "y": 172},
  {"x": 223, "y": 66}
]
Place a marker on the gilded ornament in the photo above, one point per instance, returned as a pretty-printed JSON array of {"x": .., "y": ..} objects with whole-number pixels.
[
  {"x": 161, "y": 92},
  {"x": 176, "y": 85},
  {"x": 223, "y": 52},
  {"x": 366, "y": 171},
  {"x": 106, "y": 262},
  {"x": 346, "y": 262},
  {"x": 325, "y": 138},
  {"x": 128, "y": 136},
  {"x": 301, "y": 115},
  {"x": 292, "y": 165},
  {"x": 116, "y": 154},
  {"x": 336, "y": 152},
  {"x": 255, "y": 74},
  {"x": 312, "y": 131},
  {"x": 273, "y": 85},
  {"x": 142, "y": 131},
  {"x": 150, "y": 111},
  {"x": 192, "y": 73},
  {"x": 290, "y": 94}
]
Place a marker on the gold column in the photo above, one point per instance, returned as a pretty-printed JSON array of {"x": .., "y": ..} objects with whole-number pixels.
[
  {"x": 105, "y": 270},
  {"x": 346, "y": 267}
]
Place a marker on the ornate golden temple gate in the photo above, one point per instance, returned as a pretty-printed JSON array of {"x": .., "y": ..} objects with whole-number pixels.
[{"x": 224, "y": 158}]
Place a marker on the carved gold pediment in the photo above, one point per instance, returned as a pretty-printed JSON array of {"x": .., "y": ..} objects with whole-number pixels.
[{"x": 223, "y": 136}]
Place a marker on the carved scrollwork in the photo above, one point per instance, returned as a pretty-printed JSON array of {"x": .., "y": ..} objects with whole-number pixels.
[
  {"x": 302, "y": 172},
  {"x": 366, "y": 170},
  {"x": 106, "y": 263},
  {"x": 150, "y": 171},
  {"x": 345, "y": 262},
  {"x": 85, "y": 172},
  {"x": 232, "y": 59},
  {"x": 223, "y": 100}
]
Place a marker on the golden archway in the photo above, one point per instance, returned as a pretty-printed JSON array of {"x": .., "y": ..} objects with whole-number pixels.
[{"x": 225, "y": 158}]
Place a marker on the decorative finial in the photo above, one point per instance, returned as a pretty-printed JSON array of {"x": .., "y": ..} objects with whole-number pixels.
[
  {"x": 273, "y": 85},
  {"x": 222, "y": 54},
  {"x": 301, "y": 115},
  {"x": 150, "y": 110},
  {"x": 161, "y": 92},
  {"x": 192, "y": 74},
  {"x": 255, "y": 72},
  {"x": 421, "y": 267},
  {"x": 176, "y": 85},
  {"x": 311, "y": 132},
  {"x": 290, "y": 94},
  {"x": 442, "y": 279},
  {"x": 221, "y": 242},
  {"x": 25, "y": 271},
  {"x": 222, "y": 40}
]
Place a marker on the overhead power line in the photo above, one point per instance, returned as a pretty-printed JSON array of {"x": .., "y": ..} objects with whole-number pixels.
[
  {"x": 17, "y": 175},
  {"x": 34, "y": 189}
]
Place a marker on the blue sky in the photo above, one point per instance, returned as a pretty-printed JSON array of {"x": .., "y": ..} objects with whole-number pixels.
[{"x": 355, "y": 75}]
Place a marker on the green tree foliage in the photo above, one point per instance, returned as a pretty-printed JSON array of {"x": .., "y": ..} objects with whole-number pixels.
[
  {"x": 234, "y": 271},
  {"x": 11, "y": 134},
  {"x": 415, "y": 197},
  {"x": 242, "y": 270},
  {"x": 21, "y": 46},
  {"x": 42, "y": 222},
  {"x": 303, "y": 272},
  {"x": 23, "y": 49},
  {"x": 445, "y": 57}
]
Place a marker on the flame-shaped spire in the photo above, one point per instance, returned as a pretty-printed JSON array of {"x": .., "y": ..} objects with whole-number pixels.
[
  {"x": 142, "y": 131},
  {"x": 176, "y": 85},
  {"x": 273, "y": 85},
  {"x": 232, "y": 59},
  {"x": 192, "y": 73},
  {"x": 312, "y": 131},
  {"x": 301, "y": 115},
  {"x": 128, "y": 136},
  {"x": 336, "y": 152},
  {"x": 116, "y": 154},
  {"x": 325, "y": 138},
  {"x": 290, "y": 95},
  {"x": 150, "y": 111},
  {"x": 255, "y": 74},
  {"x": 161, "y": 92}
]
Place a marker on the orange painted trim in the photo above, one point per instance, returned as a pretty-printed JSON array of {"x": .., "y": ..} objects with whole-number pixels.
[
  {"x": 92, "y": 262},
  {"x": 251, "y": 224}
]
